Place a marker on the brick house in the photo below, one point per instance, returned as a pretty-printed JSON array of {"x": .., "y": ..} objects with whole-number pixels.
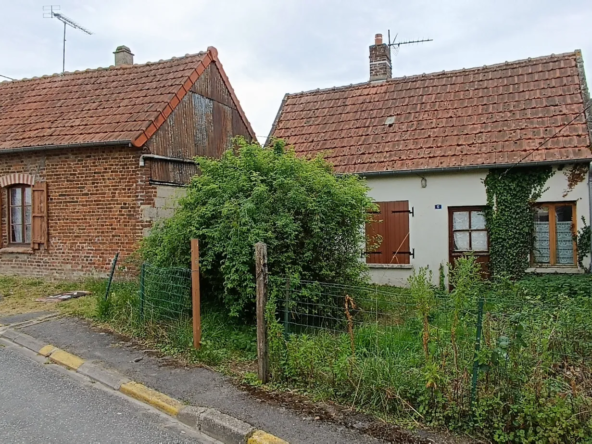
[
  {"x": 90, "y": 159},
  {"x": 425, "y": 143}
]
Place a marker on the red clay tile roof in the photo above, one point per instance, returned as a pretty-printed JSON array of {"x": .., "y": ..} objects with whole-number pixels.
[
  {"x": 493, "y": 115},
  {"x": 118, "y": 104}
]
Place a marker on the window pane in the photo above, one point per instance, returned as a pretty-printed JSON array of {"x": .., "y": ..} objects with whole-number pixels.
[
  {"x": 479, "y": 240},
  {"x": 16, "y": 215},
  {"x": 28, "y": 214},
  {"x": 477, "y": 220},
  {"x": 460, "y": 220},
  {"x": 542, "y": 252},
  {"x": 17, "y": 234},
  {"x": 15, "y": 196},
  {"x": 563, "y": 224},
  {"x": 461, "y": 241},
  {"x": 27, "y": 234},
  {"x": 563, "y": 213},
  {"x": 28, "y": 196},
  {"x": 541, "y": 214}
]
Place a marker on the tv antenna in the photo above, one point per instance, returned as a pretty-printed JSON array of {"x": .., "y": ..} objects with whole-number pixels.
[
  {"x": 49, "y": 12},
  {"x": 397, "y": 45}
]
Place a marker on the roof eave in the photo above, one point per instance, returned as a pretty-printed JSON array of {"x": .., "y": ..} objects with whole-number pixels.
[
  {"x": 419, "y": 172},
  {"x": 276, "y": 120},
  {"x": 28, "y": 149}
]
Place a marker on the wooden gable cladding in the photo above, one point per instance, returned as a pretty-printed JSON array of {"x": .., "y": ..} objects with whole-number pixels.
[
  {"x": 203, "y": 124},
  {"x": 211, "y": 85},
  {"x": 39, "y": 231},
  {"x": 391, "y": 223},
  {"x": 172, "y": 172}
]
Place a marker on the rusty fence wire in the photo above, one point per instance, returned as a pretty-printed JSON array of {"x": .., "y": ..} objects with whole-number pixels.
[{"x": 397, "y": 345}]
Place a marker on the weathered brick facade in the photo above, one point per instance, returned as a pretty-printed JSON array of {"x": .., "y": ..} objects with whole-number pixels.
[
  {"x": 94, "y": 200},
  {"x": 97, "y": 157}
]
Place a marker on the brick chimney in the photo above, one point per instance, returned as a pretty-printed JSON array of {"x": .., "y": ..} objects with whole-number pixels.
[
  {"x": 380, "y": 60},
  {"x": 123, "y": 56}
]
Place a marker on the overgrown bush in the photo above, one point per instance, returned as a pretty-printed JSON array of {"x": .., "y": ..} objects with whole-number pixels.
[{"x": 309, "y": 218}]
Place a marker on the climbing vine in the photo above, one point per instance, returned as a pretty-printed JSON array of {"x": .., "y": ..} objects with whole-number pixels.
[
  {"x": 510, "y": 216},
  {"x": 582, "y": 240}
]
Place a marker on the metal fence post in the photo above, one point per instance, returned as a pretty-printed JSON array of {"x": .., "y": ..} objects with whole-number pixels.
[
  {"x": 286, "y": 305},
  {"x": 113, "y": 264},
  {"x": 142, "y": 296},
  {"x": 477, "y": 348}
]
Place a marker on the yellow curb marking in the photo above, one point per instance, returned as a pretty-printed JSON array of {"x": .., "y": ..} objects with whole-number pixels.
[
  {"x": 260, "y": 437},
  {"x": 66, "y": 359},
  {"x": 46, "y": 351},
  {"x": 152, "y": 397}
]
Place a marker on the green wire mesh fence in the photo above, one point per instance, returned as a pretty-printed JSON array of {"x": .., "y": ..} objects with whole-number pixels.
[
  {"x": 386, "y": 347},
  {"x": 165, "y": 294}
]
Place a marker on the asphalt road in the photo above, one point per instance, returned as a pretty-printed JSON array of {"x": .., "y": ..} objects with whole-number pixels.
[{"x": 42, "y": 404}]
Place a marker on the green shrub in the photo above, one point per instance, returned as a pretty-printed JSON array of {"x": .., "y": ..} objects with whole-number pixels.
[
  {"x": 309, "y": 218},
  {"x": 550, "y": 286}
]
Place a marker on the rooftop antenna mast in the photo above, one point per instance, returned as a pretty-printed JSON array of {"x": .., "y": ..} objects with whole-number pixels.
[
  {"x": 49, "y": 12},
  {"x": 397, "y": 45}
]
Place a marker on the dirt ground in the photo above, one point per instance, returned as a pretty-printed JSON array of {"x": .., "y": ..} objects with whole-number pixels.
[
  {"x": 18, "y": 294},
  {"x": 324, "y": 411}
]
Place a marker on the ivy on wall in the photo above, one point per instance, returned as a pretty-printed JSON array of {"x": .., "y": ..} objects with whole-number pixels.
[{"x": 510, "y": 216}]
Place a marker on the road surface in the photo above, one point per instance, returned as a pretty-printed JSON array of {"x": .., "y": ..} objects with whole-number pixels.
[{"x": 41, "y": 403}]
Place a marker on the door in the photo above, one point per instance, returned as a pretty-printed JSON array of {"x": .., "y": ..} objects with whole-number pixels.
[{"x": 468, "y": 233}]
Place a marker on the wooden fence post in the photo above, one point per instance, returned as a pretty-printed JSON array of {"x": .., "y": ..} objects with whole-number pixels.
[
  {"x": 262, "y": 282},
  {"x": 195, "y": 294}
]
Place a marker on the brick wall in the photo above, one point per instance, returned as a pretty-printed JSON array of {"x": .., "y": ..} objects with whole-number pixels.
[
  {"x": 94, "y": 195},
  {"x": 380, "y": 62}
]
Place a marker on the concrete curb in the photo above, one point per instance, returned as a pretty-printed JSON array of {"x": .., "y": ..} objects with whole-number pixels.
[
  {"x": 152, "y": 397},
  {"x": 217, "y": 425}
]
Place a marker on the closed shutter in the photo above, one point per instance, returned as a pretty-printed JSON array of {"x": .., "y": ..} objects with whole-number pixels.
[
  {"x": 391, "y": 222},
  {"x": 375, "y": 230},
  {"x": 2, "y": 217},
  {"x": 39, "y": 235}
]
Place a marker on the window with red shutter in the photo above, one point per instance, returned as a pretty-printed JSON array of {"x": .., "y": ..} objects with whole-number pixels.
[{"x": 388, "y": 234}]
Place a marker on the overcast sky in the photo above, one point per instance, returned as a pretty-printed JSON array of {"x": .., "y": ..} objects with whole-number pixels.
[{"x": 271, "y": 47}]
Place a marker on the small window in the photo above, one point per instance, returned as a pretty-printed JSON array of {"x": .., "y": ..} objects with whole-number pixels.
[
  {"x": 554, "y": 229},
  {"x": 19, "y": 198},
  {"x": 468, "y": 231}
]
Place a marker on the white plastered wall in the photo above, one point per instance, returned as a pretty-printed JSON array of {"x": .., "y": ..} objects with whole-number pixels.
[{"x": 428, "y": 228}]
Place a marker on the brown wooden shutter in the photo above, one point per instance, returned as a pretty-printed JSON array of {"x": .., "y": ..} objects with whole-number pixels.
[
  {"x": 2, "y": 216},
  {"x": 374, "y": 228},
  {"x": 398, "y": 226},
  {"x": 39, "y": 235},
  {"x": 391, "y": 222}
]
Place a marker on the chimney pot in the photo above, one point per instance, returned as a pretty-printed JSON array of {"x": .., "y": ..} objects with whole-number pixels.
[
  {"x": 378, "y": 39},
  {"x": 123, "y": 56}
]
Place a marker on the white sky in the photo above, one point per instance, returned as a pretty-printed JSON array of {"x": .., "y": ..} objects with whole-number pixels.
[{"x": 270, "y": 47}]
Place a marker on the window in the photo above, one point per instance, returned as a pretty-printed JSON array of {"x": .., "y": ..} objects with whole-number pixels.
[
  {"x": 390, "y": 224},
  {"x": 468, "y": 230},
  {"x": 20, "y": 214},
  {"x": 554, "y": 228}
]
